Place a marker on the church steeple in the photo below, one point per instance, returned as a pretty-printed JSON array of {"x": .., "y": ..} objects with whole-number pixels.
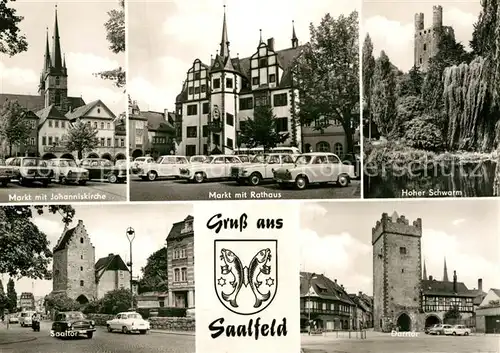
[
  {"x": 56, "y": 46},
  {"x": 47, "y": 62},
  {"x": 224, "y": 44},
  {"x": 445, "y": 272},
  {"x": 425, "y": 272},
  {"x": 295, "y": 41}
]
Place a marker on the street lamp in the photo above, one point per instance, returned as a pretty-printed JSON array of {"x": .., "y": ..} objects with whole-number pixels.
[{"x": 131, "y": 236}]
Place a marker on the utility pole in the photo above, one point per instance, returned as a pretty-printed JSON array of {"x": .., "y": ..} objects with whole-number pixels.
[{"x": 131, "y": 236}]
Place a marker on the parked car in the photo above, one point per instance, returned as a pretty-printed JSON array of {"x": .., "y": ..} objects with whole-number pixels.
[
  {"x": 355, "y": 160},
  {"x": 165, "y": 166},
  {"x": 122, "y": 163},
  {"x": 128, "y": 322},
  {"x": 13, "y": 319},
  {"x": 261, "y": 168},
  {"x": 139, "y": 161},
  {"x": 72, "y": 324},
  {"x": 27, "y": 170},
  {"x": 117, "y": 175},
  {"x": 438, "y": 329},
  {"x": 66, "y": 171},
  {"x": 197, "y": 159},
  {"x": 25, "y": 318},
  {"x": 428, "y": 328},
  {"x": 245, "y": 158},
  {"x": 315, "y": 167},
  {"x": 5, "y": 173},
  {"x": 98, "y": 168},
  {"x": 214, "y": 167},
  {"x": 457, "y": 330}
]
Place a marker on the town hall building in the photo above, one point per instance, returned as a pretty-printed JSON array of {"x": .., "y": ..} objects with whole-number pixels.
[{"x": 51, "y": 113}]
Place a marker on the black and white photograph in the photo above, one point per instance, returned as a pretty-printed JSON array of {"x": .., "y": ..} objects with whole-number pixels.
[
  {"x": 431, "y": 107},
  {"x": 400, "y": 277},
  {"x": 231, "y": 102},
  {"x": 62, "y": 102},
  {"x": 85, "y": 282}
]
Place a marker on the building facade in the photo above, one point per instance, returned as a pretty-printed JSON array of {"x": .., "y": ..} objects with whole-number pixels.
[
  {"x": 488, "y": 313},
  {"x": 26, "y": 301},
  {"x": 180, "y": 254},
  {"x": 426, "y": 43},
  {"x": 78, "y": 275},
  {"x": 52, "y": 112}
]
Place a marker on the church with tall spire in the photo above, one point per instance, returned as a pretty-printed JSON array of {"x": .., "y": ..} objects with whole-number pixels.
[
  {"x": 219, "y": 96},
  {"x": 51, "y": 112}
]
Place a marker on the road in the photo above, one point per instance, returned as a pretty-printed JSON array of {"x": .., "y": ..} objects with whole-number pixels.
[
  {"x": 385, "y": 344},
  {"x": 180, "y": 190},
  {"x": 94, "y": 191},
  {"x": 102, "y": 342}
]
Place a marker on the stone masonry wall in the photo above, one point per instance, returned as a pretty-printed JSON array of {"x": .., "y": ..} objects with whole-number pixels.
[{"x": 157, "y": 323}]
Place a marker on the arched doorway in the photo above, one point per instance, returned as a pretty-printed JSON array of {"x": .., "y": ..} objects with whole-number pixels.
[
  {"x": 107, "y": 156},
  {"x": 48, "y": 156},
  {"x": 68, "y": 156},
  {"x": 432, "y": 320},
  {"x": 136, "y": 154},
  {"x": 82, "y": 299},
  {"x": 404, "y": 323},
  {"x": 92, "y": 155},
  {"x": 323, "y": 146},
  {"x": 120, "y": 156}
]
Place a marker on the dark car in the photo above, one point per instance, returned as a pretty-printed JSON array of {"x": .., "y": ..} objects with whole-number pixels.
[
  {"x": 72, "y": 324},
  {"x": 99, "y": 168}
]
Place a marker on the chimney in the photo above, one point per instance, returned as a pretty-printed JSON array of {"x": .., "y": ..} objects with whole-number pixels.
[
  {"x": 342, "y": 286},
  {"x": 335, "y": 280},
  {"x": 270, "y": 44},
  {"x": 165, "y": 114},
  {"x": 480, "y": 284},
  {"x": 430, "y": 278},
  {"x": 360, "y": 294},
  {"x": 455, "y": 281}
]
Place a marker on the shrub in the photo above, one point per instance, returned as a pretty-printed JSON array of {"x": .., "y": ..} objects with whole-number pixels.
[{"x": 423, "y": 133}]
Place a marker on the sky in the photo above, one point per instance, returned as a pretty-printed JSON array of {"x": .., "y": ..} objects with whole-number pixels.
[
  {"x": 83, "y": 41},
  {"x": 336, "y": 239},
  {"x": 106, "y": 226},
  {"x": 391, "y": 24},
  {"x": 166, "y": 37}
]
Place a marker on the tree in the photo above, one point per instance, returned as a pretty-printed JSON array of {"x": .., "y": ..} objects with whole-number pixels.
[
  {"x": 14, "y": 128},
  {"x": 452, "y": 315},
  {"x": 24, "y": 249},
  {"x": 326, "y": 75},
  {"x": 368, "y": 69},
  {"x": 11, "y": 296},
  {"x": 262, "y": 130},
  {"x": 115, "y": 28},
  {"x": 383, "y": 107},
  {"x": 4, "y": 302},
  {"x": 410, "y": 84},
  {"x": 423, "y": 133},
  {"x": 81, "y": 137},
  {"x": 115, "y": 301},
  {"x": 60, "y": 302},
  {"x": 155, "y": 273},
  {"x": 11, "y": 40}
]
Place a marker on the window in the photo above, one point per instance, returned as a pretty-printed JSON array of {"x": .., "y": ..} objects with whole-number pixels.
[
  {"x": 50, "y": 140},
  {"x": 425, "y": 46},
  {"x": 229, "y": 119},
  {"x": 204, "y": 131},
  {"x": 50, "y": 123},
  {"x": 81, "y": 257},
  {"x": 102, "y": 126},
  {"x": 229, "y": 142},
  {"x": 205, "y": 108},
  {"x": 203, "y": 88},
  {"x": 197, "y": 76},
  {"x": 282, "y": 124},
  {"x": 122, "y": 142},
  {"x": 246, "y": 103},
  {"x": 197, "y": 90},
  {"x": 216, "y": 83},
  {"x": 44, "y": 140},
  {"x": 323, "y": 146},
  {"x": 420, "y": 60},
  {"x": 32, "y": 141},
  {"x": 82, "y": 283},
  {"x": 402, "y": 250},
  {"x": 56, "y": 140},
  {"x": 190, "y": 150},
  {"x": 190, "y": 90},
  {"x": 262, "y": 62},
  {"x": 98, "y": 110},
  {"x": 63, "y": 124},
  {"x": 255, "y": 81},
  {"x": 108, "y": 126},
  {"x": 333, "y": 159},
  {"x": 280, "y": 100},
  {"x": 108, "y": 142},
  {"x": 229, "y": 82},
  {"x": 338, "y": 149},
  {"x": 177, "y": 275},
  {"x": 81, "y": 268},
  {"x": 58, "y": 80},
  {"x": 81, "y": 240},
  {"x": 272, "y": 78},
  {"x": 192, "y": 109},
  {"x": 184, "y": 274},
  {"x": 56, "y": 123},
  {"x": 95, "y": 124},
  {"x": 260, "y": 101},
  {"x": 191, "y": 131},
  {"x": 102, "y": 141}
]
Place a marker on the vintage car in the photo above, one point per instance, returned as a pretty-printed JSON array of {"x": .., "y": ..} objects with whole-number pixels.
[
  {"x": 25, "y": 318},
  {"x": 197, "y": 159},
  {"x": 244, "y": 158},
  {"x": 214, "y": 167},
  {"x": 121, "y": 163},
  {"x": 261, "y": 168},
  {"x": 439, "y": 329},
  {"x": 71, "y": 324},
  {"x": 128, "y": 322},
  {"x": 67, "y": 171},
  {"x": 139, "y": 161},
  {"x": 457, "y": 330},
  {"x": 165, "y": 166},
  {"x": 100, "y": 168},
  {"x": 27, "y": 170},
  {"x": 5, "y": 173},
  {"x": 13, "y": 319},
  {"x": 315, "y": 167}
]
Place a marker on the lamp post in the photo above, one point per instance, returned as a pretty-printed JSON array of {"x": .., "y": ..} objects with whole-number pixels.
[{"x": 131, "y": 236}]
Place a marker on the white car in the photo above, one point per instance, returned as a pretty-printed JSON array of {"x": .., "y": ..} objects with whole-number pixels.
[
  {"x": 165, "y": 166},
  {"x": 214, "y": 167},
  {"x": 315, "y": 167},
  {"x": 128, "y": 322},
  {"x": 25, "y": 318},
  {"x": 439, "y": 329},
  {"x": 13, "y": 319},
  {"x": 457, "y": 330},
  {"x": 139, "y": 161},
  {"x": 261, "y": 168},
  {"x": 197, "y": 159},
  {"x": 66, "y": 171}
]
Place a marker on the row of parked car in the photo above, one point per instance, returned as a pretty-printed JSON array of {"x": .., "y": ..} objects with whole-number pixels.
[
  {"x": 283, "y": 168},
  {"x": 27, "y": 170},
  {"x": 449, "y": 330}
]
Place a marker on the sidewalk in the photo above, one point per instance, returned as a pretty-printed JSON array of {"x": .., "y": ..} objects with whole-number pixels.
[
  {"x": 166, "y": 332},
  {"x": 7, "y": 337}
]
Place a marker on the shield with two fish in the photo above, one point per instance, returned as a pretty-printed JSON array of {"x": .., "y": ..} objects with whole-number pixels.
[{"x": 246, "y": 274}]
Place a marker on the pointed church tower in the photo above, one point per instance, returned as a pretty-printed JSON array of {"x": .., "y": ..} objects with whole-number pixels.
[
  {"x": 295, "y": 41},
  {"x": 425, "y": 273},
  {"x": 54, "y": 78},
  {"x": 445, "y": 272}
]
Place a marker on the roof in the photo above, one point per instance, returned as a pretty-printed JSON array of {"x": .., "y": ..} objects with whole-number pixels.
[
  {"x": 496, "y": 291},
  {"x": 176, "y": 230},
  {"x": 445, "y": 288},
  {"x": 84, "y": 109},
  {"x": 37, "y": 102},
  {"x": 49, "y": 112},
  {"x": 324, "y": 287},
  {"x": 64, "y": 240},
  {"x": 111, "y": 262},
  {"x": 157, "y": 122}
]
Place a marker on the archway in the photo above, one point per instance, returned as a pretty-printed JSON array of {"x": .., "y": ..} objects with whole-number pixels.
[
  {"x": 120, "y": 156},
  {"x": 92, "y": 155},
  {"x": 82, "y": 299},
  {"x": 48, "y": 156},
  {"x": 432, "y": 320},
  {"x": 323, "y": 146},
  {"x": 107, "y": 156},
  {"x": 136, "y": 154},
  {"x": 68, "y": 156},
  {"x": 404, "y": 323}
]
